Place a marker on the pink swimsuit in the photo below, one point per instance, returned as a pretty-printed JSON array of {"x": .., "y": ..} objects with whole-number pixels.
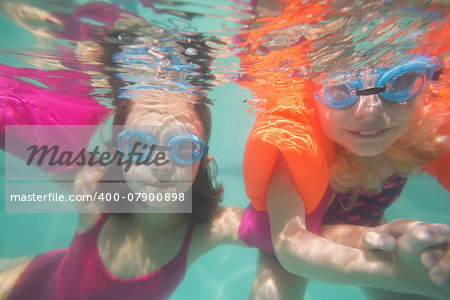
[{"x": 78, "y": 273}]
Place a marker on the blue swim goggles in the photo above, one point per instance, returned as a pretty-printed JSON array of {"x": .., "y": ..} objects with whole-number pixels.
[
  {"x": 182, "y": 148},
  {"x": 397, "y": 84}
]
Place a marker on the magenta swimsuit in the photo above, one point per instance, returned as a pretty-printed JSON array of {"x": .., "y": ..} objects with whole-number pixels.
[{"x": 78, "y": 273}]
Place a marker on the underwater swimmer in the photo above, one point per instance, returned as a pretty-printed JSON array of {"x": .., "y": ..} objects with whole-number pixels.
[
  {"x": 366, "y": 116},
  {"x": 361, "y": 133},
  {"x": 137, "y": 255},
  {"x": 151, "y": 250}
]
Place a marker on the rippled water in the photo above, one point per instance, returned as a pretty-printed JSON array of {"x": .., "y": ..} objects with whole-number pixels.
[
  {"x": 144, "y": 44},
  {"x": 101, "y": 50}
]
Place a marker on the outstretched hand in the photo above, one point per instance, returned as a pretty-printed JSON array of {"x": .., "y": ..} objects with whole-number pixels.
[{"x": 415, "y": 241}]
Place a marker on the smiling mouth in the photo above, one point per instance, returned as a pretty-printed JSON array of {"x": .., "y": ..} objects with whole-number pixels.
[{"x": 368, "y": 133}]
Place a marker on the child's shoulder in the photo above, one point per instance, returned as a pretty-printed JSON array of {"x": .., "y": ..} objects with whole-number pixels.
[{"x": 10, "y": 270}]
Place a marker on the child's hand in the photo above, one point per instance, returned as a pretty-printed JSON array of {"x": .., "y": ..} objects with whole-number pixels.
[
  {"x": 425, "y": 249},
  {"x": 385, "y": 237},
  {"x": 430, "y": 243}
]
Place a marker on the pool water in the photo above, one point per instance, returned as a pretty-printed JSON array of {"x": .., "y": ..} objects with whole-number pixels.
[{"x": 226, "y": 272}]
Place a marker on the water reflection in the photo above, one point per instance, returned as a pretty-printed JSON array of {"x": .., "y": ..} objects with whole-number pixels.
[{"x": 144, "y": 44}]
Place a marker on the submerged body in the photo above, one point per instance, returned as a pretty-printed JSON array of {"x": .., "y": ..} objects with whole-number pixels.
[
  {"x": 113, "y": 256},
  {"x": 129, "y": 255},
  {"x": 340, "y": 127},
  {"x": 101, "y": 265}
]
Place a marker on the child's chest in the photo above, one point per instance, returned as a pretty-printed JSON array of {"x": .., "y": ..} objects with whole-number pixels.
[{"x": 130, "y": 255}]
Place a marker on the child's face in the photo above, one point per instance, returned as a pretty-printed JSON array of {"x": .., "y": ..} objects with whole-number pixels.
[
  {"x": 163, "y": 122},
  {"x": 371, "y": 124}
]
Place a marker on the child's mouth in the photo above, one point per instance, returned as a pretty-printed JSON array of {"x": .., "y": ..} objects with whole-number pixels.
[{"x": 368, "y": 133}]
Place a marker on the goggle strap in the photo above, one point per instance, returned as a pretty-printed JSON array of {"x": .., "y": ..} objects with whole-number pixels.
[
  {"x": 436, "y": 75},
  {"x": 371, "y": 91},
  {"x": 163, "y": 148}
]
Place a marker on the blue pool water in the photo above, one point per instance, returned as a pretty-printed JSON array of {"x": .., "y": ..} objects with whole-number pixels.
[{"x": 226, "y": 272}]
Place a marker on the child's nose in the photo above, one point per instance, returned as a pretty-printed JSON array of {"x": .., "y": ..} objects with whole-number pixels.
[
  {"x": 368, "y": 106},
  {"x": 163, "y": 172}
]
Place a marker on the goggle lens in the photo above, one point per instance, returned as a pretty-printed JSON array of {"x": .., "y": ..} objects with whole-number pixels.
[
  {"x": 404, "y": 86},
  {"x": 186, "y": 148},
  {"x": 338, "y": 93},
  {"x": 127, "y": 140}
]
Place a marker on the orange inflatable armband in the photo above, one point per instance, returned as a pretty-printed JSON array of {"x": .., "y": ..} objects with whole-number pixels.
[{"x": 308, "y": 164}]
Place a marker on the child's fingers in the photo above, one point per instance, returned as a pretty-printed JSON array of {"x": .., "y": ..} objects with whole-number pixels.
[
  {"x": 440, "y": 279},
  {"x": 431, "y": 234},
  {"x": 379, "y": 240},
  {"x": 399, "y": 227},
  {"x": 384, "y": 237},
  {"x": 430, "y": 258},
  {"x": 440, "y": 272},
  {"x": 423, "y": 236}
]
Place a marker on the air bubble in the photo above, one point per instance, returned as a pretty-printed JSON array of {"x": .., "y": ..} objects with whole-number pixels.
[{"x": 191, "y": 51}]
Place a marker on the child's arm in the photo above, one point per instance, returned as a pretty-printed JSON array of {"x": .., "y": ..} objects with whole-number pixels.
[
  {"x": 344, "y": 234},
  {"x": 311, "y": 256},
  {"x": 272, "y": 281},
  {"x": 222, "y": 229}
]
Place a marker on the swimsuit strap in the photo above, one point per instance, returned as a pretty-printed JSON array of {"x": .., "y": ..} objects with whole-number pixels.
[
  {"x": 97, "y": 226},
  {"x": 187, "y": 238},
  {"x": 100, "y": 221}
]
